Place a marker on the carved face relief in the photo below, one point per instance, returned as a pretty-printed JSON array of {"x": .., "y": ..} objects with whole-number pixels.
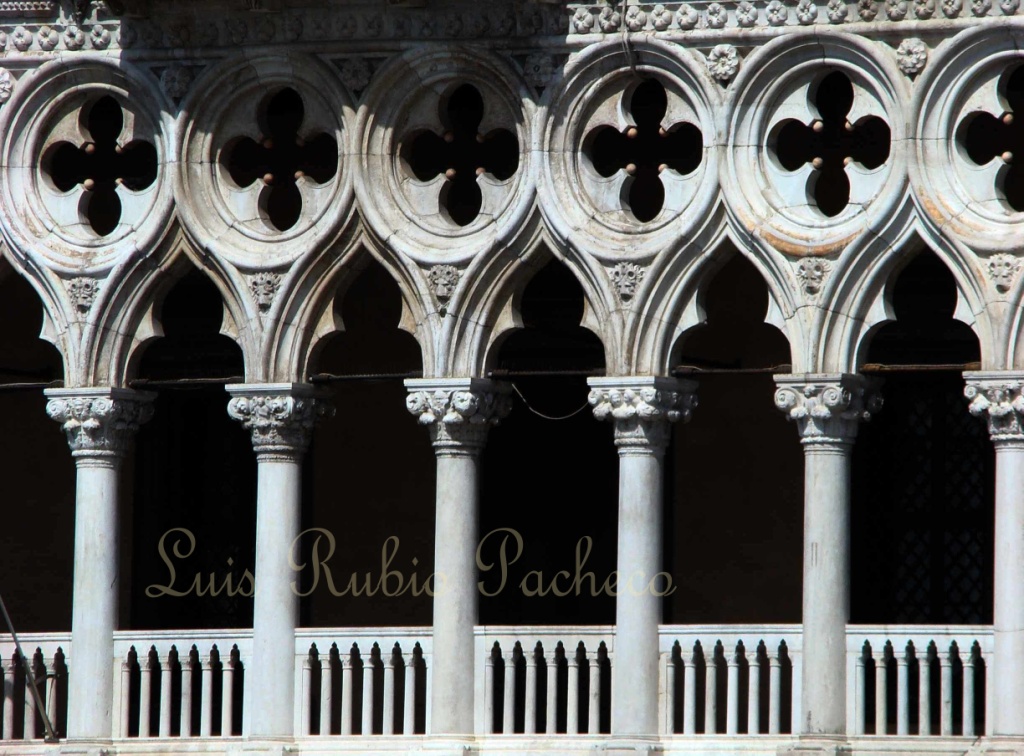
[
  {"x": 1002, "y": 268},
  {"x": 443, "y": 280},
  {"x": 627, "y": 277},
  {"x": 811, "y": 273},
  {"x": 264, "y": 288}
]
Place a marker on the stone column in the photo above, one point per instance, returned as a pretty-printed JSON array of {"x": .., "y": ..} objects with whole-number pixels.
[
  {"x": 280, "y": 417},
  {"x": 99, "y": 423},
  {"x": 827, "y": 409},
  {"x": 641, "y": 408},
  {"x": 999, "y": 398},
  {"x": 458, "y": 413}
]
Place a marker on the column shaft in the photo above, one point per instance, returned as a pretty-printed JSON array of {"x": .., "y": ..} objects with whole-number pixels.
[
  {"x": 826, "y": 590},
  {"x": 637, "y": 609},
  {"x": 1008, "y": 650},
  {"x": 455, "y": 601}
]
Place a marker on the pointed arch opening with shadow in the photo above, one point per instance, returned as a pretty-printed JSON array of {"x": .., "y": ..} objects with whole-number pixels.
[
  {"x": 553, "y": 481},
  {"x": 923, "y": 468},
  {"x": 194, "y": 470},
  {"x": 38, "y": 472},
  {"x": 370, "y": 471},
  {"x": 734, "y": 473}
]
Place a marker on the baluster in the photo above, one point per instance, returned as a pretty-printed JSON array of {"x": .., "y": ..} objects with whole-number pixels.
[
  {"x": 206, "y": 696},
  {"x": 389, "y": 694},
  {"x": 489, "y": 693},
  {"x": 946, "y": 666},
  {"x": 732, "y": 691},
  {"x": 409, "y": 710},
  {"x": 346, "y": 692},
  {"x": 670, "y": 693},
  {"x": 187, "y": 681},
  {"x": 902, "y": 695},
  {"x": 326, "y": 693},
  {"x": 551, "y": 662},
  {"x": 306, "y": 696},
  {"x": 530, "y": 708},
  {"x": 508, "y": 723},
  {"x": 367, "y": 719},
  {"x": 165, "y": 696},
  {"x": 860, "y": 701},
  {"x": 572, "y": 698},
  {"x": 924, "y": 701},
  {"x": 51, "y": 695},
  {"x": 228, "y": 696},
  {"x": 689, "y": 694},
  {"x": 710, "y": 693},
  {"x": 969, "y": 681},
  {"x": 126, "y": 677},
  {"x": 145, "y": 694},
  {"x": 881, "y": 689},
  {"x": 774, "y": 693},
  {"x": 9, "y": 667},
  {"x": 594, "y": 712},
  {"x": 754, "y": 695}
]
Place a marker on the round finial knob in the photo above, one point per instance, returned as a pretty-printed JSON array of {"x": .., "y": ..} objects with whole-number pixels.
[
  {"x": 268, "y": 144},
  {"x": 848, "y": 126},
  {"x": 449, "y": 174},
  {"x": 817, "y": 163},
  {"x": 631, "y": 132},
  {"x": 88, "y": 184},
  {"x": 268, "y": 178},
  {"x": 663, "y": 167},
  {"x": 299, "y": 174},
  {"x": 449, "y": 136},
  {"x": 89, "y": 149},
  {"x": 817, "y": 126},
  {"x": 631, "y": 169},
  {"x": 480, "y": 171},
  {"x": 1007, "y": 118},
  {"x": 1007, "y": 157}
]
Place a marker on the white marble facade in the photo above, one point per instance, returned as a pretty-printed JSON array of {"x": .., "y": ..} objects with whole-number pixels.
[{"x": 556, "y": 169}]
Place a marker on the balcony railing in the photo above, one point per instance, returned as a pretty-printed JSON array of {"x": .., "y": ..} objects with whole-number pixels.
[{"x": 555, "y": 681}]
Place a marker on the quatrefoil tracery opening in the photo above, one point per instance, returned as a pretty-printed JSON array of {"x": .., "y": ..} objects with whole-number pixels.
[
  {"x": 282, "y": 159},
  {"x": 984, "y": 137},
  {"x": 645, "y": 149},
  {"x": 462, "y": 154},
  {"x": 831, "y": 142},
  {"x": 101, "y": 164}
]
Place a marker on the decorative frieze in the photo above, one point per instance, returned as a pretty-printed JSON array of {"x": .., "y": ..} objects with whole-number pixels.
[
  {"x": 458, "y": 412},
  {"x": 998, "y": 398},
  {"x": 99, "y": 422},
  {"x": 642, "y": 407},
  {"x": 827, "y": 407},
  {"x": 280, "y": 417}
]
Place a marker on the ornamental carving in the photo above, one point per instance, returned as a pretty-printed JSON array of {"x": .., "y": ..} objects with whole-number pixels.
[
  {"x": 827, "y": 411},
  {"x": 911, "y": 56},
  {"x": 355, "y": 73},
  {"x": 1002, "y": 269},
  {"x": 723, "y": 62},
  {"x": 626, "y": 277},
  {"x": 99, "y": 423},
  {"x": 6, "y": 85},
  {"x": 458, "y": 418},
  {"x": 83, "y": 291},
  {"x": 811, "y": 272},
  {"x": 642, "y": 408},
  {"x": 280, "y": 423},
  {"x": 263, "y": 287},
  {"x": 176, "y": 81},
  {"x": 1000, "y": 402},
  {"x": 443, "y": 280}
]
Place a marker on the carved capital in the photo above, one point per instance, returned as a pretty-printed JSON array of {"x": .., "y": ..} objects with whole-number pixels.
[
  {"x": 642, "y": 408},
  {"x": 827, "y": 407},
  {"x": 457, "y": 412},
  {"x": 280, "y": 416},
  {"x": 998, "y": 397},
  {"x": 99, "y": 422}
]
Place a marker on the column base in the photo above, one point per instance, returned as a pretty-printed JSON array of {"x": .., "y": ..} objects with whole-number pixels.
[{"x": 817, "y": 745}]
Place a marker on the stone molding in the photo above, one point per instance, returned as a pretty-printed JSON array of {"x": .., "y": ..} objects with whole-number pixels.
[
  {"x": 998, "y": 398},
  {"x": 280, "y": 416},
  {"x": 827, "y": 407},
  {"x": 458, "y": 412},
  {"x": 99, "y": 422},
  {"x": 642, "y": 407}
]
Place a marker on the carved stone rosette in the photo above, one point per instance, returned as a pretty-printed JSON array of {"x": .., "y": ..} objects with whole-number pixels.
[
  {"x": 280, "y": 417},
  {"x": 998, "y": 397},
  {"x": 99, "y": 422},
  {"x": 827, "y": 407},
  {"x": 642, "y": 408},
  {"x": 458, "y": 413}
]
